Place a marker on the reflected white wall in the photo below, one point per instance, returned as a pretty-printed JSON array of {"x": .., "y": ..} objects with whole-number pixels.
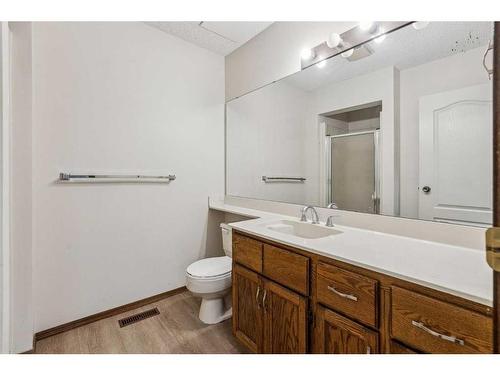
[
  {"x": 265, "y": 132},
  {"x": 275, "y": 130}
]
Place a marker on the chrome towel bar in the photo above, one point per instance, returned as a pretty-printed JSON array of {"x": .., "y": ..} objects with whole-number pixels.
[
  {"x": 283, "y": 179},
  {"x": 67, "y": 177}
]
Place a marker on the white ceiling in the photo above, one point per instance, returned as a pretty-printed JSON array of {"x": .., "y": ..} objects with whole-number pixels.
[{"x": 219, "y": 37}]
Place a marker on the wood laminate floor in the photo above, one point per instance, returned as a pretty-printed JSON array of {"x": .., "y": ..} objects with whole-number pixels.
[{"x": 176, "y": 330}]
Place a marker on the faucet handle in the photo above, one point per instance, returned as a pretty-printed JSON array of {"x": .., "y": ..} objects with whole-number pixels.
[
  {"x": 303, "y": 216},
  {"x": 329, "y": 221}
]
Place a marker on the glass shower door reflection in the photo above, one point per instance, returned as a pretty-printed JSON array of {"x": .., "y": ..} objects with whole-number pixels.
[{"x": 354, "y": 172}]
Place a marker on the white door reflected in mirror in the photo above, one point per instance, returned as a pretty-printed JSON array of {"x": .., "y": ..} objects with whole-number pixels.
[{"x": 456, "y": 156}]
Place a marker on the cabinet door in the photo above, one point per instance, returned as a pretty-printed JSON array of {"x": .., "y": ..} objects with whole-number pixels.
[
  {"x": 336, "y": 334},
  {"x": 247, "y": 308},
  {"x": 397, "y": 348},
  {"x": 285, "y": 320}
]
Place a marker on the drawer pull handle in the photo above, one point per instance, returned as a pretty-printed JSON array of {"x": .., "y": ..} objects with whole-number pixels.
[
  {"x": 343, "y": 295},
  {"x": 424, "y": 328},
  {"x": 257, "y": 297}
]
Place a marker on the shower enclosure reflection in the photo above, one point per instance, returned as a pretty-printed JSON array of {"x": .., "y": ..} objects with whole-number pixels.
[{"x": 352, "y": 153}]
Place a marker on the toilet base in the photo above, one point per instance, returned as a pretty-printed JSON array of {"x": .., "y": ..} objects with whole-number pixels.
[{"x": 215, "y": 310}]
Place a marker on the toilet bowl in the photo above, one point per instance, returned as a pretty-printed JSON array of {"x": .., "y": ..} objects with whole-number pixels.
[{"x": 210, "y": 279}]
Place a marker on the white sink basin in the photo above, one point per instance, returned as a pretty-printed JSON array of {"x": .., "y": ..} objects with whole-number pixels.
[{"x": 302, "y": 230}]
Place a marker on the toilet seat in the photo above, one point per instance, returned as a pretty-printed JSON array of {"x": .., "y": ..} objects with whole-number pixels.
[
  {"x": 210, "y": 277},
  {"x": 210, "y": 268}
]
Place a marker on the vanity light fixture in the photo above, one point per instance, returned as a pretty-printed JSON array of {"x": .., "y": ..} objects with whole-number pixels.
[
  {"x": 347, "y": 53},
  {"x": 307, "y": 54},
  {"x": 370, "y": 26},
  {"x": 380, "y": 38},
  {"x": 334, "y": 41},
  {"x": 321, "y": 64},
  {"x": 343, "y": 44},
  {"x": 419, "y": 25}
]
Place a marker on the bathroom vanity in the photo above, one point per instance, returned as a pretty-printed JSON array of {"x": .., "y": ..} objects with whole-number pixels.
[
  {"x": 290, "y": 300},
  {"x": 377, "y": 131}
]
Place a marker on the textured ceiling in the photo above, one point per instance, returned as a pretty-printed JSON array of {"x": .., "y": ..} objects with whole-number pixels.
[
  {"x": 403, "y": 49},
  {"x": 218, "y": 37}
]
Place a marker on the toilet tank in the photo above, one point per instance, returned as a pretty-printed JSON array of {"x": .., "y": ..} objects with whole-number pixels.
[{"x": 227, "y": 239}]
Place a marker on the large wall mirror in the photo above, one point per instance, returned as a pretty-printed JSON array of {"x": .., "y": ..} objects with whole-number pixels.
[{"x": 401, "y": 125}]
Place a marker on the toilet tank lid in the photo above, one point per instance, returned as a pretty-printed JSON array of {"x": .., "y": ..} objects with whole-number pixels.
[{"x": 210, "y": 267}]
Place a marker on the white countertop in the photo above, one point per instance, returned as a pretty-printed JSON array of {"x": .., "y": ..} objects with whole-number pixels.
[{"x": 451, "y": 269}]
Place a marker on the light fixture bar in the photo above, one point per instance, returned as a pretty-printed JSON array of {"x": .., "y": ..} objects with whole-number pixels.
[{"x": 352, "y": 38}]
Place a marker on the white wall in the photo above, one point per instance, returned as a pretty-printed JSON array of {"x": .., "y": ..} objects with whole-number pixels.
[
  {"x": 121, "y": 97},
  {"x": 430, "y": 78},
  {"x": 21, "y": 187},
  {"x": 274, "y": 53}
]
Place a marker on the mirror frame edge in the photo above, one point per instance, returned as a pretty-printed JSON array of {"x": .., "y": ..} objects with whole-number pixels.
[{"x": 496, "y": 179}]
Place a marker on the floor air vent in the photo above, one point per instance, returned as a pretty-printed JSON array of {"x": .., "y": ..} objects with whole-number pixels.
[{"x": 138, "y": 317}]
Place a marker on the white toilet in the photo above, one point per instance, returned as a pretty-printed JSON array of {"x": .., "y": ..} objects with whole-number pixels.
[{"x": 210, "y": 279}]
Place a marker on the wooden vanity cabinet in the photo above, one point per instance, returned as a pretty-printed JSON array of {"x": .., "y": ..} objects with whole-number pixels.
[
  {"x": 267, "y": 317},
  {"x": 336, "y": 334},
  {"x": 247, "y": 310},
  {"x": 281, "y": 294},
  {"x": 285, "y": 320},
  {"x": 287, "y": 268},
  {"x": 435, "y": 326},
  {"x": 349, "y": 293},
  {"x": 397, "y": 348},
  {"x": 248, "y": 252}
]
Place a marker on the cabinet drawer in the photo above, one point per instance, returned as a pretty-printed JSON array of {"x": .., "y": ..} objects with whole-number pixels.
[
  {"x": 435, "y": 326},
  {"x": 347, "y": 292},
  {"x": 247, "y": 252},
  {"x": 287, "y": 268}
]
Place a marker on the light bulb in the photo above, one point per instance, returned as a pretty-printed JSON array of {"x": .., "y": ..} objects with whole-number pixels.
[
  {"x": 366, "y": 26},
  {"x": 347, "y": 53},
  {"x": 419, "y": 25},
  {"x": 380, "y": 39},
  {"x": 321, "y": 64},
  {"x": 334, "y": 40},
  {"x": 307, "y": 54}
]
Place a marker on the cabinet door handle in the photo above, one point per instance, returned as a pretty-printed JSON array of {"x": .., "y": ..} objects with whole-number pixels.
[
  {"x": 257, "y": 297},
  {"x": 343, "y": 295},
  {"x": 424, "y": 328},
  {"x": 264, "y": 300}
]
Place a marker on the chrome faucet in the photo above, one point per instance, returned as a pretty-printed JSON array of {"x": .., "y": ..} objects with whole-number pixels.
[
  {"x": 332, "y": 205},
  {"x": 315, "y": 217},
  {"x": 329, "y": 221}
]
